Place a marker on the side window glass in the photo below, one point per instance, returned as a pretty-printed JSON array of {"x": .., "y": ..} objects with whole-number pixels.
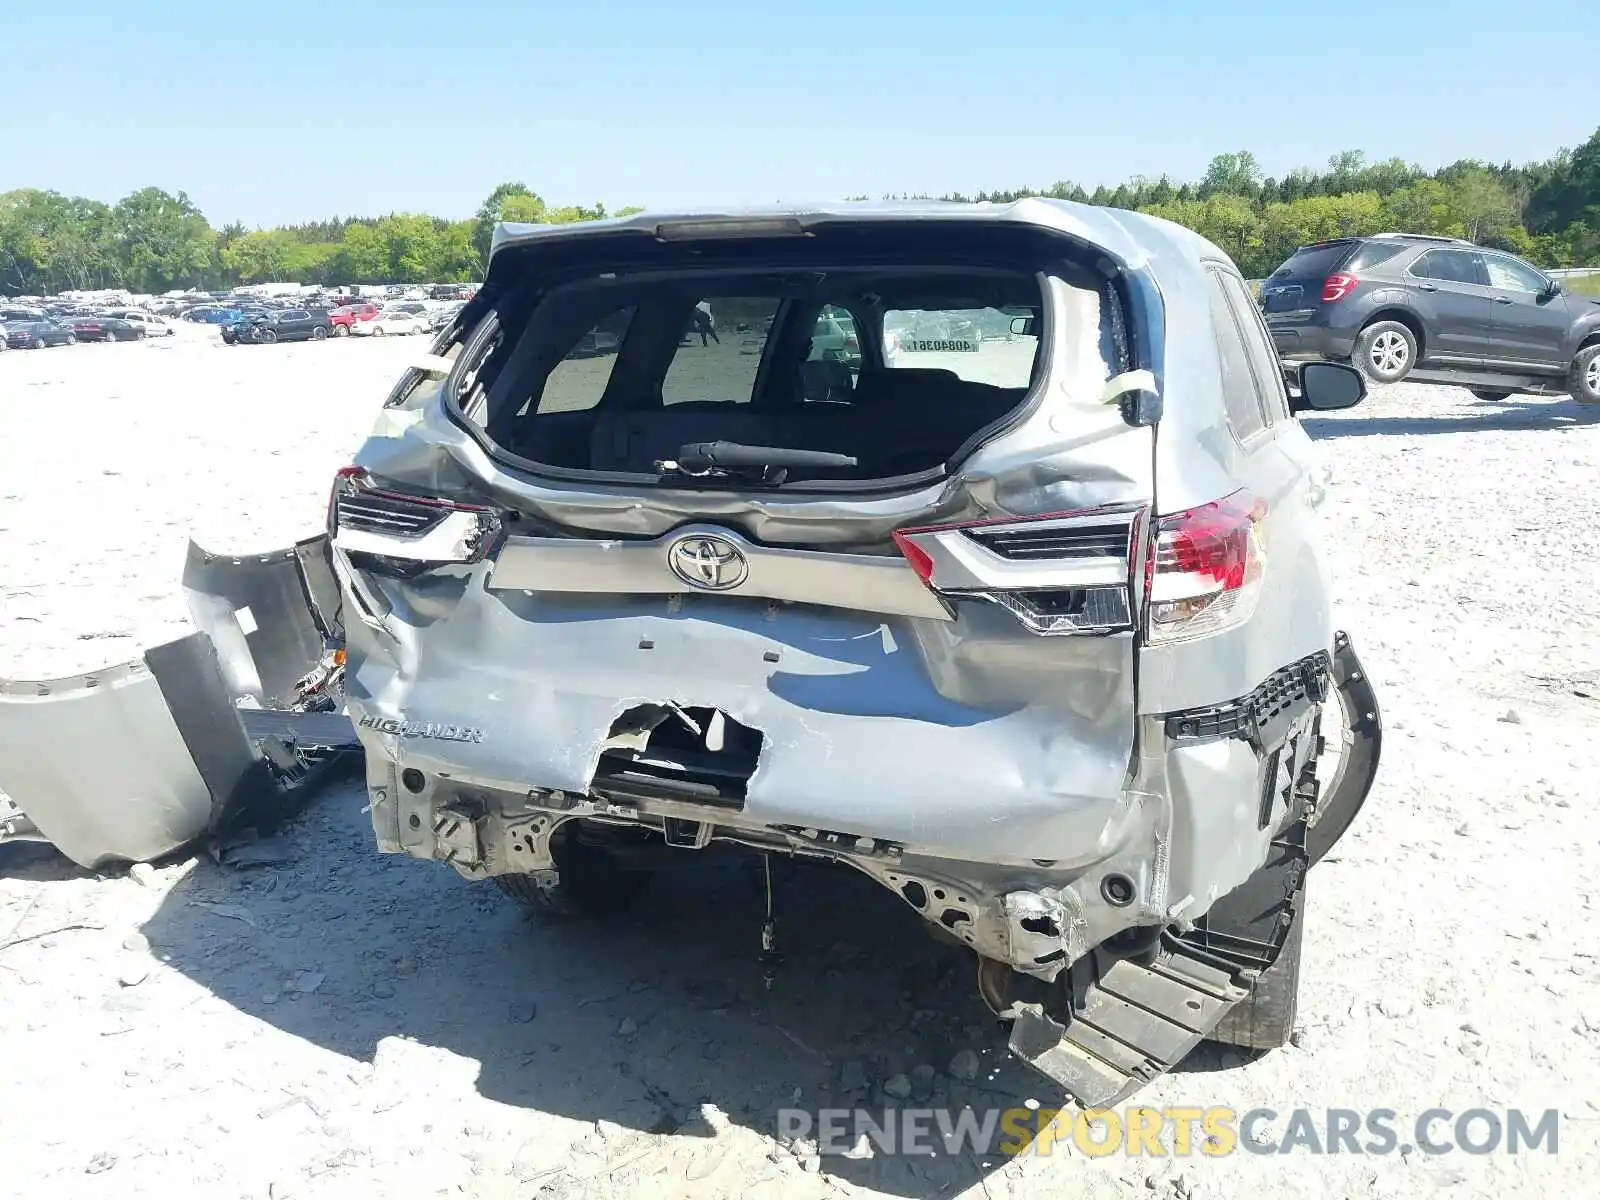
[
  {"x": 1510, "y": 275},
  {"x": 709, "y": 367},
  {"x": 1258, "y": 347},
  {"x": 577, "y": 382},
  {"x": 1452, "y": 266},
  {"x": 1239, "y": 395}
]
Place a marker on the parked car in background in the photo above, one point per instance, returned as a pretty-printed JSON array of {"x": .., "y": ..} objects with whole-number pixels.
[
  {"x": 212, "y": 314},
  {"x": 392, "y": 321},
  {"x": 444, "y": 314},
  {"x": 106, "y": 329},
  {"x": 280, "y": 325},
  {"x": 417, "y": 307},
  {"x": 33, "y": 331},
  {"x": 345, "y": 318},
  {"x": 153, "y": 326},
  {"x": 1056, "y": 659},
  {"x": 1435, "y": 310}
]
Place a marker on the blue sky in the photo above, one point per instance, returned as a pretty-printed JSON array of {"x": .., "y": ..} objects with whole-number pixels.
[{"x": 283, "y": 111}]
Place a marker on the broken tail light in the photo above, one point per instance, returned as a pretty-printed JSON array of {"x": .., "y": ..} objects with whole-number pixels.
[
  {"x": 1337, "y": 286},
  {"x": 1205, "y": 569},
  {"x": 400, "y": 532},
  {"x": 1061, "y": 573}
]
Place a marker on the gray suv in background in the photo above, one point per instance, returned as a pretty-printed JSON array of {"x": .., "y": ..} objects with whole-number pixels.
[
  {"x": 1435, "y": 310},
  {"x": 1028, "y": 623}
]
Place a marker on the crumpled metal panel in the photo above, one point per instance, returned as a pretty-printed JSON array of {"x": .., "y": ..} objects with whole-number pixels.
[
  {"x": 99, "y": 765},
  {"x": 267, "y": 614}
]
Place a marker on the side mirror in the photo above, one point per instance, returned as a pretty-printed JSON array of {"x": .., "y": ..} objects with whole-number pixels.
[
  {"x": 1022, "y": 326},
  {"x": 1551, "y": 291},
  {"x": 1326, "y": 386}
]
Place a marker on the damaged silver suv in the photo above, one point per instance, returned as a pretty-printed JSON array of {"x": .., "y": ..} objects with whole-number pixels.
[{"x": 975, "y": 549}]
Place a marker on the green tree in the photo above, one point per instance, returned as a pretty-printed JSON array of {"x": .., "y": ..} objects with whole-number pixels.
[{"x": 160, "y": 240}]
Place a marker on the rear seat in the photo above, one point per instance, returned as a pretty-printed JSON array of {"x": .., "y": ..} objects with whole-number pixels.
[{"x": 896, "y": 420}]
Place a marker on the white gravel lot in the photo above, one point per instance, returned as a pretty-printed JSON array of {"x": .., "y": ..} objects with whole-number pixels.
[{"x": 349, "y": 1025}]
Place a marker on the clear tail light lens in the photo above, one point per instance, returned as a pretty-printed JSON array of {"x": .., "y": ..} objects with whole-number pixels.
[
  {"x": 1059, "y": 573},
  {"x": 1205, "y": 569},
  {"x": 385, "y": 528},
  {"x": 1337, "y": 287}
]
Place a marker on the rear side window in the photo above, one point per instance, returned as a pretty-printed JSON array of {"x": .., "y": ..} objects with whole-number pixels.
[
  {"x": 577, "y": 382},
  {"x": 1239, "y": 393},
  {"x": 709, "y": 366},
  {"x": 1451, "y": 266},
  {"x": 1372, "y": 254},
  {"x": 976, "y": 344},
  {"x": 1259, "y": 351},
  {"x": 1313, "y": 262}
]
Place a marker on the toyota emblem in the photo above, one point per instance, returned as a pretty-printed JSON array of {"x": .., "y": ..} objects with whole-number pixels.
[{"x": 707, "y": 561}]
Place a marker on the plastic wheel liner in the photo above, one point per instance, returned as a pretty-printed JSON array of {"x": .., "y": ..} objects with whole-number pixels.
[{"x": 132, "y": 761}]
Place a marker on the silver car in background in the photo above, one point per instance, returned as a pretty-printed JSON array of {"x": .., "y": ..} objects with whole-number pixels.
[{"x": 1031, "y": 627}]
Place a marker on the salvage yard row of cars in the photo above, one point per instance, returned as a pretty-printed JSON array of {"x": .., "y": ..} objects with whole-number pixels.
[{"x": 240, "y": 318}]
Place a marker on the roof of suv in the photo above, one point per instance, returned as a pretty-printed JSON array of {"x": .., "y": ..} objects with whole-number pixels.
[{"x": 1125, "y": 235}]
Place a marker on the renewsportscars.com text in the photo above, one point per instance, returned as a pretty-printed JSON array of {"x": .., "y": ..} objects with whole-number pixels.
[{"x": 1214, "y": 1131}]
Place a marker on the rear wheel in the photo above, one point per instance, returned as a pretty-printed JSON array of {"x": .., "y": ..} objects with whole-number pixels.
[
  {"x": 1386, "y": 351},
  {"x": 318, "y": 333},
  {"x": 1489, "y": 393},
  {"x": 377, "y": 331},
  {"x": 1584, "y": 379},
  {"x": 341, "y": 331},
  {"x": 72, "y": 340},
  {"x": 586, "y": 881},
  {"x": 111, "y": 335}
]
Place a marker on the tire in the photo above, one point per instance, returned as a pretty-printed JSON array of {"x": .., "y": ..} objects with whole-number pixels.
[
  {"x": 586, "y": 882},
  {"x": 318, "y": 334},
  {"x": 1584, "y": 379},
  {"x": 111, "y": 336},
  {"x": 1386, "y": 351},
  {"x": 267, "y": 337},
  {"x": 377, "y": 331},
  {"x": 1489, "y": 393},
  {"x": 72, "y": 340},
  {"x": 341, "y": 331}
]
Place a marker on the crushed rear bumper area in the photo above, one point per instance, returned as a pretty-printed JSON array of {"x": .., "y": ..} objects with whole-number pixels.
[{"x": 133, "y": 761}]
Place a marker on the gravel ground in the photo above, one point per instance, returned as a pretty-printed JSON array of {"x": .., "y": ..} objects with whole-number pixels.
[{"x": 340, "y": 1024}]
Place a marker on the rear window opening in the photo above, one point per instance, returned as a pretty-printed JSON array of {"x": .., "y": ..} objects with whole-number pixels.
[
  {"x": 1314, "y": 262},
  {"x": 730, "y": 375}
]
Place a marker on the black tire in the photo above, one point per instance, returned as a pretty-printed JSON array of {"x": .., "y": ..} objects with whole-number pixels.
[
  {"x": 1583, "y": 381},
  {"x": 318, "y": 333},
  {"x": 586, "y": 881},
  {"x": 341, "y": 331},
  {"x": 72, "y": 340},
  {"x": 377, "y": 331},
  {"x": 1264, "y": 1019},
  {"x": 1489, "y": 393},
  {"x": 111, "y": 335},
  {"x": 1386, "y": 351},
  {"x": 267, "y": 337}
]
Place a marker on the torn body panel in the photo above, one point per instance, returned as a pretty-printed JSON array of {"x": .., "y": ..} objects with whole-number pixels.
[
  {"x": 129, "y": 762},
  {"x": 270, "y": 616}
]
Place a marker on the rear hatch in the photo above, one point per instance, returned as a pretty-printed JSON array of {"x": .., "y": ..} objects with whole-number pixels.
[
  {"x": 752, "y": 566},
  {"x": 1294, "y": 290}
]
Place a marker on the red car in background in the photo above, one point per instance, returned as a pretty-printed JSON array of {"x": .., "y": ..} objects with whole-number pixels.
[{"x": 344, "y": 318}]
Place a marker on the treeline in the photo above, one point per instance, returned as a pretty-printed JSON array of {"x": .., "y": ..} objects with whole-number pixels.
[
  {"x": 1548, "y": 211},
  {"x": 152, "y": 241}
]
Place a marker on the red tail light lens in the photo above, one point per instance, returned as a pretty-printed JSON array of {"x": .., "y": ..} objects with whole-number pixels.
[
  {"x": 1337, "y": 286},
  {"x": 1205, "y": 569}
]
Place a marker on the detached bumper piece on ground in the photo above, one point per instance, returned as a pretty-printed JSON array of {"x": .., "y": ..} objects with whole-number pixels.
[{"x": 232, "y": 725}]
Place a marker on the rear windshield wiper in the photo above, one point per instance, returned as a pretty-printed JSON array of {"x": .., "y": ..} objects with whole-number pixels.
[{"x": 712, "y": 458}]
